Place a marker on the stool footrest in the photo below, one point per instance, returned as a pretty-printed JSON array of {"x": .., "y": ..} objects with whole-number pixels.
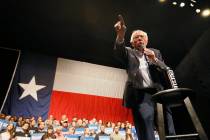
[{"x": 182, "y": 136}]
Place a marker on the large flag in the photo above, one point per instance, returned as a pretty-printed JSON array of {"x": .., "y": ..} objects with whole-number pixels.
[{"x": 45, "y": 85}]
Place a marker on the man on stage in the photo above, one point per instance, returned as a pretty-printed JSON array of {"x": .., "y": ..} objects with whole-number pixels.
[{"x": 145, "y": 77}]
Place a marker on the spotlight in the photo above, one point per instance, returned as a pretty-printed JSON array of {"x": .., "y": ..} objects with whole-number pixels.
[
  {"x": 191, "y": 5},
  {"x": 174, "y": 3},
  {"x": 197, "y": 10},
  {"x": 193, "y": 1},
  {"x": 205, "y": 13},
  {"x": 161, "y": 1},
  {"x": 182, "y": 4}
]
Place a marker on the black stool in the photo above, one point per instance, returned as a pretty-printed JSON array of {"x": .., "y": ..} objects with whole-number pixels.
[{"x": 172, "y": 98}]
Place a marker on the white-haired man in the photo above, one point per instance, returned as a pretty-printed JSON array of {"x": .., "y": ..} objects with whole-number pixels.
[{"x": 145, "y": 77}]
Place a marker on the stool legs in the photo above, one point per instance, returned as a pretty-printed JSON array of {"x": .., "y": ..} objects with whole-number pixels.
[
  {"x": 195, "y": 120},
  {"x": 160, "y": 119}
]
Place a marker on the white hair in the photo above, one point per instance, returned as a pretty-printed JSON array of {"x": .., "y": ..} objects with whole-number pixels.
[{"x": 134, "y": 32}]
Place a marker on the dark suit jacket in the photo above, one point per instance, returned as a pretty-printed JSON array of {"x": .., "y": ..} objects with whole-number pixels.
[{"x": 128, "y": 57}]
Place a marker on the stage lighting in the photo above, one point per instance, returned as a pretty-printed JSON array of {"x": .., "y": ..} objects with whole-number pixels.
[
  {"x": 182, "y": 4},
  {"x": 174, "y": 3},
  {"x": 205, "y": 13},
  {"x": 197, "y": 10},
  {"x": 191, "y": 5},
  {"x": 161, "y": 1},
  {"x": 193, "y": 1}
]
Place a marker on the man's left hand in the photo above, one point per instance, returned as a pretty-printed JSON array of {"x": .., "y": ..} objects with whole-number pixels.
[{"x": 150, "y": 54}]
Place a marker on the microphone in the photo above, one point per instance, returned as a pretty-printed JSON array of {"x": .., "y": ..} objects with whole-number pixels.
[{"x": 142, "y": 46}]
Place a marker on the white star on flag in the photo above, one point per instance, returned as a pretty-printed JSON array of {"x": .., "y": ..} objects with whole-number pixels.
[{"x": 31, "y": 89}]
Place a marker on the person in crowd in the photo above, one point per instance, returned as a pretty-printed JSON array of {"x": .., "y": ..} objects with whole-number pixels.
[
  {"x": 2, "y": 116},
  {"x": 65, "y": 126},
  {"x": 122, "y": 127},
  {"x": 9, "y": 133},
  {"x": 25, "y": 130},
  {"x": 40, "y": 128},
  {"x": 113, "y": 125},
  {"x": 56, "y": 123},
  {"x": 20, "y": 121},
  {"x": 74, "y": 119},
  {"x": 100, "y": 122},
  {"x": 58, "y": 133},
  {"x": 71, "y": 130},
  {"x": 73, "y": 124},
  {"x": 33, "y": 125},
  {"x": 128, "y": 134},
  {"x": 79, "y": 123},
  {"x": 108, "y": 124},
  {"x": 101, "y": 133},
  {"x": 116, "y": 135},
  {"x": 92, "y": 133},
  {"x": 86, "y": 134},
  {"x": 49, "y": 134}
]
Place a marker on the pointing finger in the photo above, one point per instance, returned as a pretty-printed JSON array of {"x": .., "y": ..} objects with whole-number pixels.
[{"x": 121, "y": 19}]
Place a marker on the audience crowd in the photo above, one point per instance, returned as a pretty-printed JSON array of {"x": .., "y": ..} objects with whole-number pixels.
[{"x": 20, "y": 128}]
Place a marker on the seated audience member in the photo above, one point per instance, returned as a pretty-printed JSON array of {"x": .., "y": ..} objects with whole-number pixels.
[
  {"x": 71, "y": 131},
  {"x": 84, "y": 124},
  {"x": 108, "y": 124},
  {"x": 128, "y": 134},
  {"x": 64, "y": 118},
  {"x": 51, "y": 117},
  {"x": 40, "y": 128},
  {"x": 65, "y": 126},
  {"x": 113, "y": 125},
  {"x": 116, "y": 135},
  {"x": 25, "y": 130},
  {"x": 101, "y": 133},
  {"x": 2, "y": 116},
  {"x": 74, "y": 119},
  {"x": 100, "y": 122},
  {"x": 79, "y": 123},
  {"x": 9, "y": 133},
  {"x": 86, "y": 134},
  {"x": 58, "y": 133},
  {"x": 39, "y": 119},
  {"x": 7, "y": 118},
  {"x": 13, "y": 119},
  {"x": 48, "y": 122},
  {"x": 33, "y": 125},
  {"x": 94, "y": 121},
  {"x": 118, "y": 124},
  {"x": 20, "y": 121},
  {"x": 73, "y": 124},
  {"x": 122, "y": 126},
  {"x": 92, "y": 133},
  {"x": 56, "y": 123},
  {"x": 49, "y": 134}
]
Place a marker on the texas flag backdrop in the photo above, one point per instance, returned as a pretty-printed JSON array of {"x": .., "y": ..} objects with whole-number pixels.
[{"x": 45, "y": 85}]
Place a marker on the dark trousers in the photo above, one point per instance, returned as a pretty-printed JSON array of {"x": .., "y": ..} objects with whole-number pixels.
[{"x": 143, "y": 115}]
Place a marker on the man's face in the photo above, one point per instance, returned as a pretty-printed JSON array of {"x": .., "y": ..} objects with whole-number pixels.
[
  {"x": 139, "y": 39},
  {"x": 25, "y": 126},
  {"x": 41, "y": 125},
  {"x": 102, "y": 128},
  {"x": 116, "y": 129}
]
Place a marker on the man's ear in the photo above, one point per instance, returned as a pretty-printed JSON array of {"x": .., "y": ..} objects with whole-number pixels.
[{"x": 132, "y": 45}]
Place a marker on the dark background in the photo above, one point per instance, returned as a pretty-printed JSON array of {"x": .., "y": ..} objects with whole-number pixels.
[{"x": 83, "y": 30}]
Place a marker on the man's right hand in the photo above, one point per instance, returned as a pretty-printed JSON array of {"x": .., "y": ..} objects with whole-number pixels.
[{"x": 120, "y": 28}]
